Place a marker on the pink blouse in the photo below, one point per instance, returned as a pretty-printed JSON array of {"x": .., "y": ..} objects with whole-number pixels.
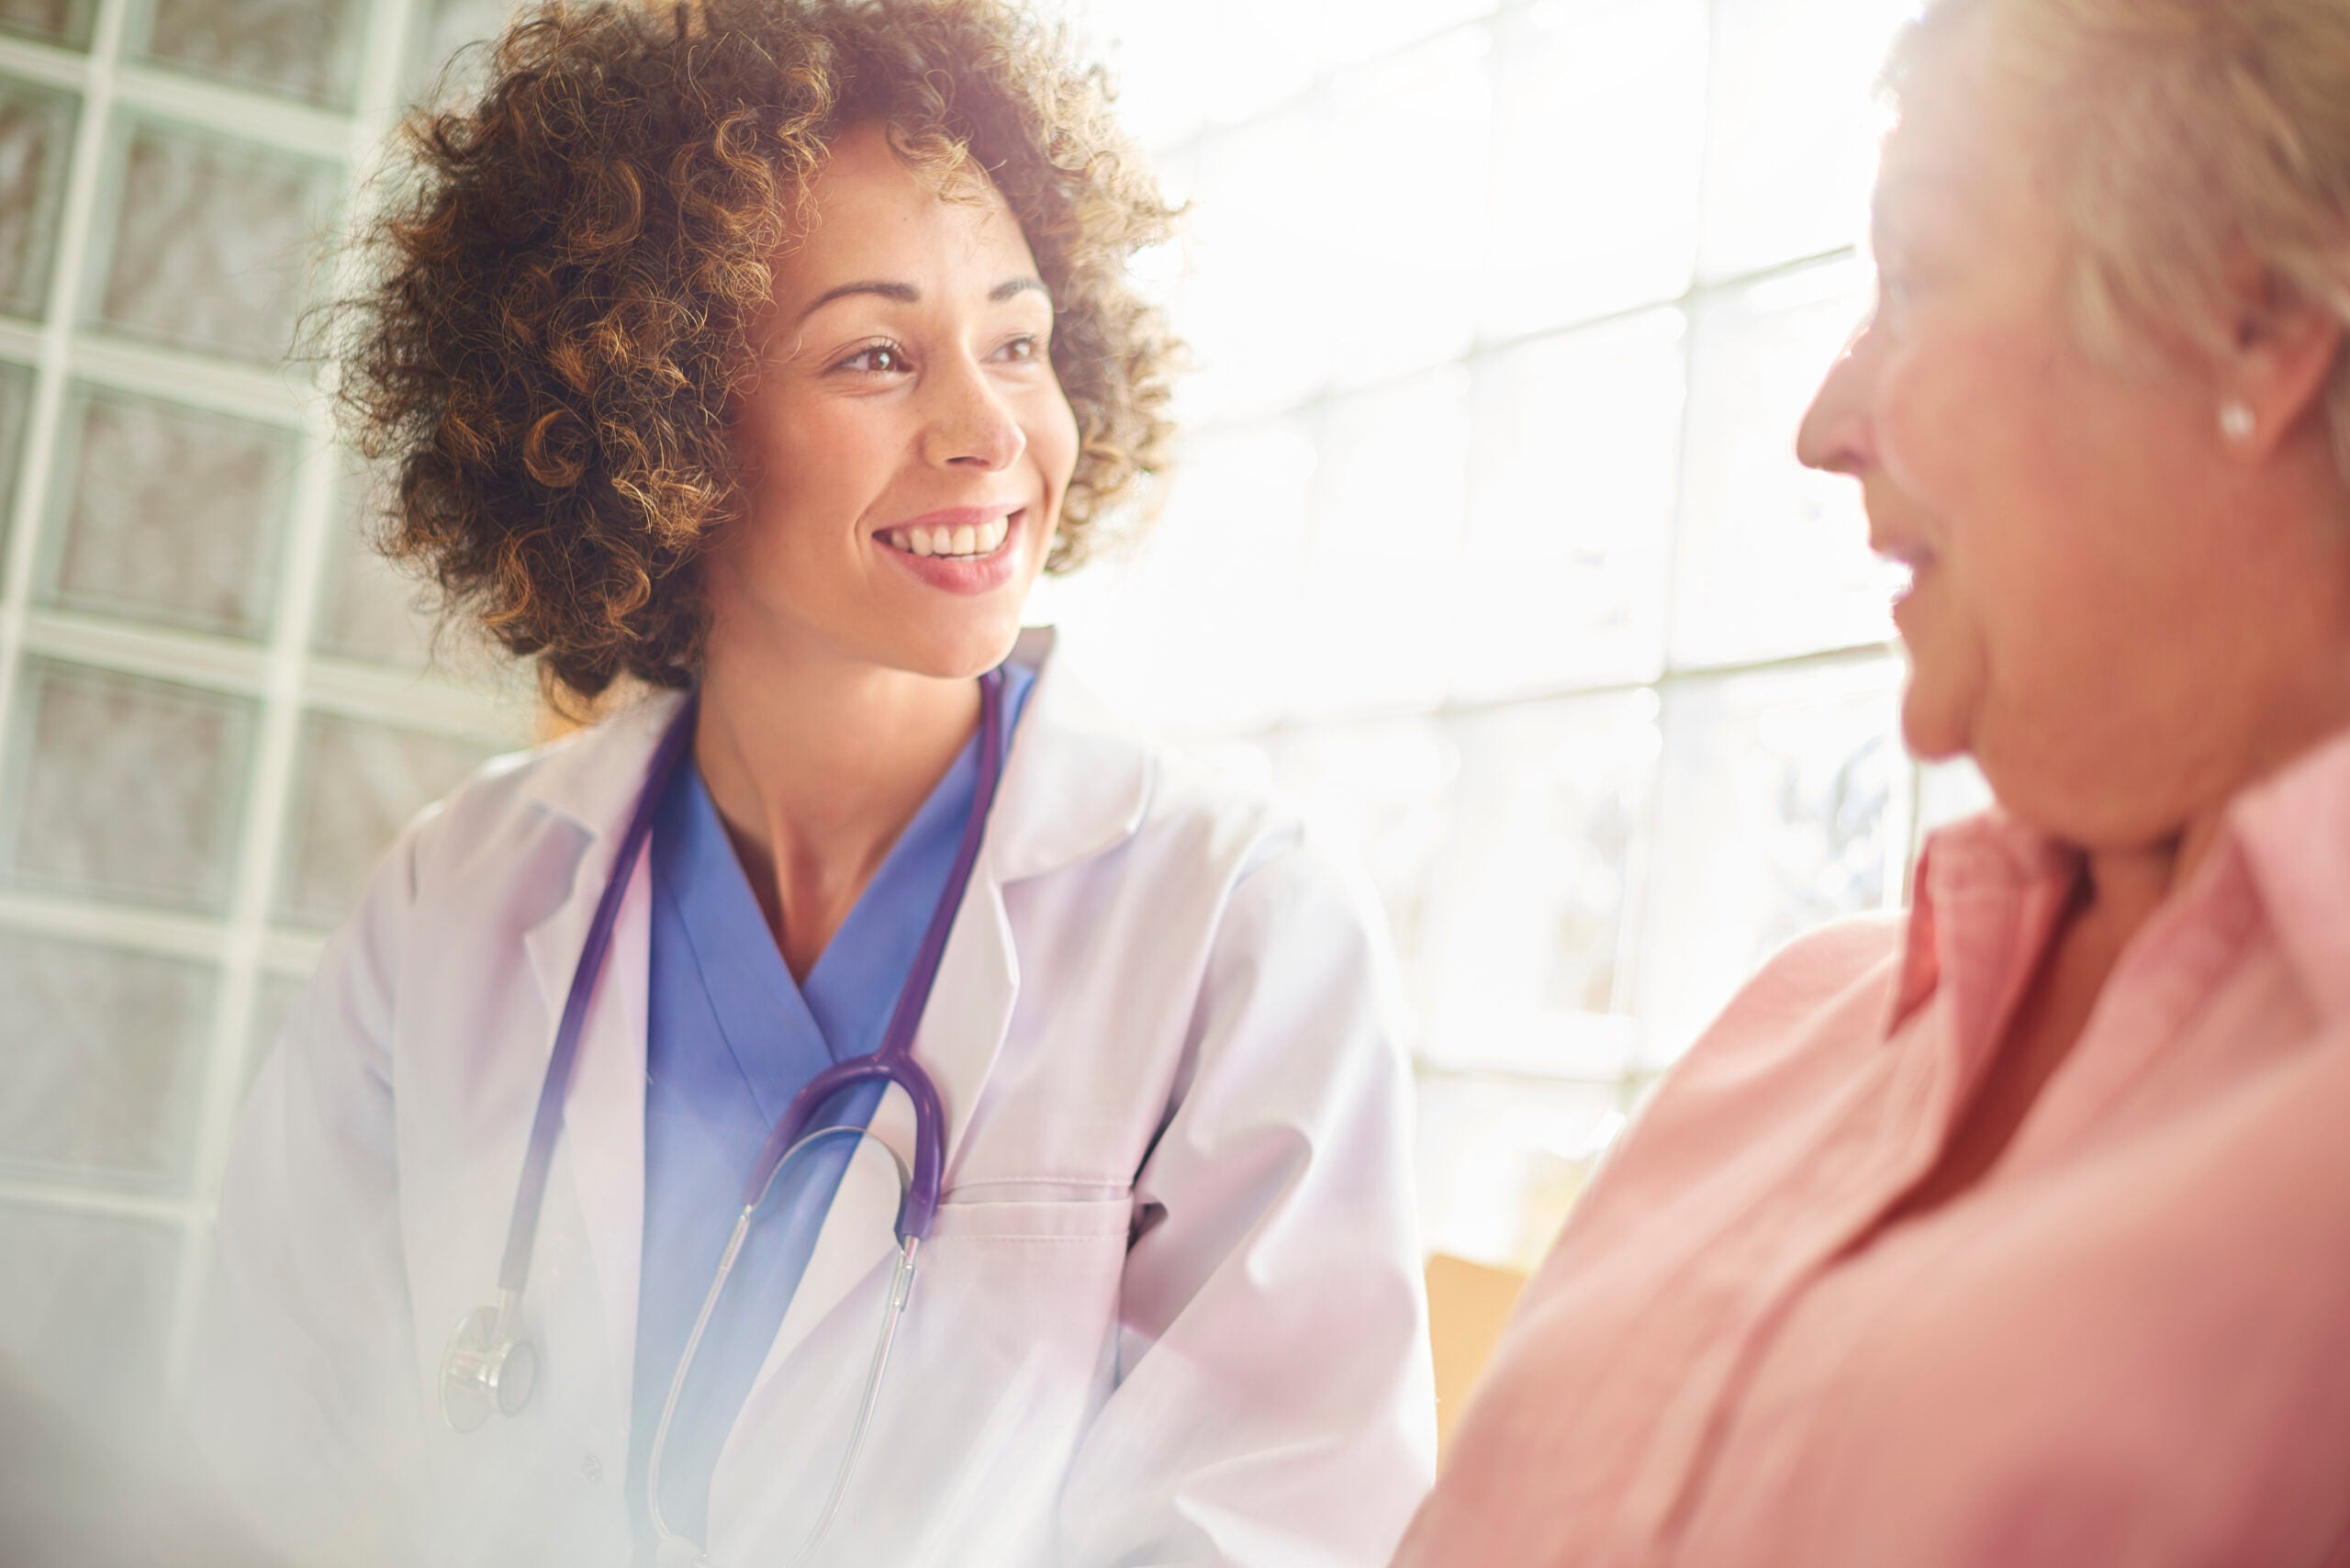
[{"x": 2129, "y": 1343}]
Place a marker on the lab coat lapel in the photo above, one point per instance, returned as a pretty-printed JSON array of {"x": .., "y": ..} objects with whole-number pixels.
[
  {"x": 1075, "y": 784},
  {"x": 599, "y": 1152},
  {"x": 962, "y": 1029}
]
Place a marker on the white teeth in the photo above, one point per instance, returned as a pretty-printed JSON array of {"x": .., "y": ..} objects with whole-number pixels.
[{"x": 982, "y": 539}]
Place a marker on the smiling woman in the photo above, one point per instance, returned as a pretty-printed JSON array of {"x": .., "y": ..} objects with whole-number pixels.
[{"x": 769, "y": 349}]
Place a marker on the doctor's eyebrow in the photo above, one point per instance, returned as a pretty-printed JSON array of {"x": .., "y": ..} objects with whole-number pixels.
[{"x": 906, "y": 294}]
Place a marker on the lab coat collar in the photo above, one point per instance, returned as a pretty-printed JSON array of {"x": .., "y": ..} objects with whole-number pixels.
[{"x": 1078, "y": 780}]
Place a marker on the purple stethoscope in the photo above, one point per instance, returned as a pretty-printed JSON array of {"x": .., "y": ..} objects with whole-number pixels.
[{"x": 490, "y": 1366}]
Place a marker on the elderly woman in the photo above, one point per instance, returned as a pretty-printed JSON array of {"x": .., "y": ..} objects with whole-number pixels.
[
  {"x": 856, "y": 1104},
  {"x": 2018, "y": 1232}
]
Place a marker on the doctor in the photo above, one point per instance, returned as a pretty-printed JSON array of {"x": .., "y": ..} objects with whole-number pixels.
[{"x": 764, "y": 351}]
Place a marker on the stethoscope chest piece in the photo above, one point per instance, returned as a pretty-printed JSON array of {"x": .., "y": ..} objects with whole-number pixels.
[{"x": 488, "y": 1367}]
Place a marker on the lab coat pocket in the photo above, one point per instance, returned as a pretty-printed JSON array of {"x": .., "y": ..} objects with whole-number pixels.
[{"x": 1005, "y": 1350}]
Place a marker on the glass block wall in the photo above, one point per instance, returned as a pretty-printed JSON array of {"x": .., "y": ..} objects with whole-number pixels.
[
  {"x": 1490, "y": 543},
  {"x": 216, "y": 707}
]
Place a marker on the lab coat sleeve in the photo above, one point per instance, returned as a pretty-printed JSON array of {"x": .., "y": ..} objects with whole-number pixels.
[
  {"x": 1275, "y": 1404},
  {"x": 301, "y": 1386}
]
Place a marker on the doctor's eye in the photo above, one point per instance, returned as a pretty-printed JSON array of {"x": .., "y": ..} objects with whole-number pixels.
[{"x": 876, "y": 359}]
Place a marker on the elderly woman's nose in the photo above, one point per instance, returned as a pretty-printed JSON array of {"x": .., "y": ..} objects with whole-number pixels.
[
  {"x": 1834, "y": 435},
  {"x": 971, "y": 424}
]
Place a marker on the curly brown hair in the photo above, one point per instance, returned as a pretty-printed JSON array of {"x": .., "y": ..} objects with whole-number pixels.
[{"x": 570, "y": 270}]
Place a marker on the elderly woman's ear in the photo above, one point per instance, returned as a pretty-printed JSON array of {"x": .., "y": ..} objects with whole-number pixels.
[{"x": 2278, "y": 369}]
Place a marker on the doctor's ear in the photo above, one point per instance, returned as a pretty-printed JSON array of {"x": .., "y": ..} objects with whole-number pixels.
[{"x": 2280, "y": 359}]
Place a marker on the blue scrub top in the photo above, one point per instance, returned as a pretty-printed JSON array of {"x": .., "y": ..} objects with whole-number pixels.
[{"x": 729, "y": 1040}]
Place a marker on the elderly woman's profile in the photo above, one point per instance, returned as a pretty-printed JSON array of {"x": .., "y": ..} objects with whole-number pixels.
[
  {"x": 858, "y": 1103},
  {"x": 2015, "y": 1233}
]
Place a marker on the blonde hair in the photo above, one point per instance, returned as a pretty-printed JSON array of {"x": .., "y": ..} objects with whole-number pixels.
[{"x": 2183, "y": 134}]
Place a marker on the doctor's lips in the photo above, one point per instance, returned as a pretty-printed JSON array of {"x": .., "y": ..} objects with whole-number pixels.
[{"x": 966, "y": 531}]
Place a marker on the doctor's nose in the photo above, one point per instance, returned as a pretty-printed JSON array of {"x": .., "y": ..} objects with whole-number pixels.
[{"x": 971, "y": 425}]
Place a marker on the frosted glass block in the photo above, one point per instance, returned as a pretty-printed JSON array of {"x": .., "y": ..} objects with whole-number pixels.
[
  {"x": 370, "y": 610},
  {"x": 1199, "y": 630},
  {"x": 36, "y": 144},
  {"x": 1500, "y": 1162},
  {"x": 356, "y": 785},
  {"x": 118, "y": 787},
  {"x": 1402, "y": 261},
  {"x": 1575, "y": 468},
  {"x": 15, "y": 409},
  {"x": 1792, "y": 128},
  {"x": 1385, "y": 792},
  {"x": 1784, "y": 804},
  {"x": 105, "y": 1053},
  {"x": 1774, "y": 558},
  {"x": 1596, "y": 166},
  {"x": 298, "y": 48},
  {"x": 1266, "y": 243},
  {"x": 273, "y": 1000},
  {"x": 65, "y": 22},
  {"x": 171, "y": 514},
  {"x": 1158, "y": 56},
  {"x": 435, "y": 68},
  {"x": 1364, "y": 29},
  {"x": 1267, "y": 53},
  {"x": 1383, "y": 581},
  {"x": 1554, "y": 802},
  {"x": 210, "y": 242},
  {"x": 85, "y": 1307}
]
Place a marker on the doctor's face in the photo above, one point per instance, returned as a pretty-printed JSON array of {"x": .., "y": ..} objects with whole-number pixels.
[{"x": 907, "y": 447}]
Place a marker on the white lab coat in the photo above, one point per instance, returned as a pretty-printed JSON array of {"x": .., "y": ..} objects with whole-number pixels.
[{"x": 1171, "y": 1309}]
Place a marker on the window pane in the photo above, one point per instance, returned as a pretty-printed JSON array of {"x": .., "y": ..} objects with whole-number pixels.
[
  {"x": 1785, "y": 805},
  {"x": 15, "y": 408},
  {"x": 1403, "y": 263},
  {"x": 1500, "y": 1161},
  {"x": 210, "y": 240},
  {"x": 1553, "y": 800},
  {"x": 119, "y": 786},
  {"x": 84, "y": 1309},
  {"x": 357, "y": 786},
  {"x": 1383, "y": 578},
  {"x": 1386, "y": 792},
  {"x": 439, "y": 31},
  {"x": 1573, "y": 473},
  {"x": 370, "y": 610},
  {"x": 1199, "y": 630},
  {"x": 172, "y": 514},
  {"x": 36, "y": 144},
  {"x": 300, "y": 49},
  {"x": 1774, "y": 558},
  {"x": 1263, "y": 240},
  {"x": 1595, "y": 168},
  {"x": 105, "y": 1053},
  {"x": 65, "y": 22},
  {"x": 1788, "y": 144}
]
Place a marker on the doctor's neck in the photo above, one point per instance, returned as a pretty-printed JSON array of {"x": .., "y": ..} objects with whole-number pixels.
[{"x": 816, "y": 763}]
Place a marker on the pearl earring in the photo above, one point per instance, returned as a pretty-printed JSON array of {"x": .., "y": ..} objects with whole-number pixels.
[{"x": 2237, "y": 420}]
